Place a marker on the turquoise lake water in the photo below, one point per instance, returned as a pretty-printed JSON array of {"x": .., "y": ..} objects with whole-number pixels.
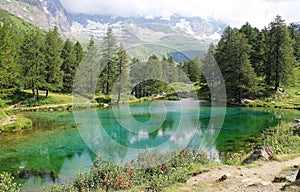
[{"x": 59, "y": 145}]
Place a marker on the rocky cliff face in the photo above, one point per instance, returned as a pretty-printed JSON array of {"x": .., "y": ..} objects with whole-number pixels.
[{"x": 44, "y": 14}]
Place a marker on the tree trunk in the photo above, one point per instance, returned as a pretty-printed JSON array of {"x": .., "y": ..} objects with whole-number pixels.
[
  {"x": 37, "y": 94},
  {"x": 33, "y": 92},
  {"x": 107, "y": 88},
  {"x": 47, "y": 93},
  {"x": 119, "y": 94}
]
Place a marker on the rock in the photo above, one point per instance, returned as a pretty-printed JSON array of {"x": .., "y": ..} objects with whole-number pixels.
[
  {"x": 291, "y": 178},
  {"x": 298, "y": 176},
  {"x": 260, "y": 152},
  {"x": 251, "y": 181},
  {"x": 266, "y": 183},
  {"x": 221, "y": 179},
  {"x": 296, "y": 121}
]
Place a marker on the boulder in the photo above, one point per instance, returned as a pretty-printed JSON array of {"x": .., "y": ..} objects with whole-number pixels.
[
  {"x": 260, "y": 152},
  {"x": 223, "y": 178},
  {"x": 296, "y": 121},
  {"x": 298, "y": 176}
]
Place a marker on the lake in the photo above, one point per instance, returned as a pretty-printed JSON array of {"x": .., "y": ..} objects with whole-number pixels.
[{"x": 63, "y": 143}]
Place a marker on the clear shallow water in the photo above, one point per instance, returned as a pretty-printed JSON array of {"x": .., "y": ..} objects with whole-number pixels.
[{"x": 55, "y": 144}]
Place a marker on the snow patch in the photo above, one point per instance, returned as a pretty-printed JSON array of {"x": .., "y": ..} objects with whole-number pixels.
[
  {"x": 185, "y": 26},
  {"x": 46, "y": 10}
]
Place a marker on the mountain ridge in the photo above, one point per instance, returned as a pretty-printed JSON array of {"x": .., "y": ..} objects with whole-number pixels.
[{"x": 187, "y": 35}]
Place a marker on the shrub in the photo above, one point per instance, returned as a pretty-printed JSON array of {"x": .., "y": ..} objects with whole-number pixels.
[
  {"x": 7, "y": 183},
  {"x": 103, "y": 99},
  {"x": 107, "y": 176}
]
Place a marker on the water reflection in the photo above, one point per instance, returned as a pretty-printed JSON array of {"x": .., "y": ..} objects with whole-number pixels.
[{"x": 55, "y": 144}]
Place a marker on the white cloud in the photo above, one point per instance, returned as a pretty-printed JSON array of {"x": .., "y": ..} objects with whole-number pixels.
[{"x": 235, "y": 12}]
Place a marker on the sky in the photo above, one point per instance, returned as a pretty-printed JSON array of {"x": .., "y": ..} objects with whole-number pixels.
[{"x": 258, "y": 13}]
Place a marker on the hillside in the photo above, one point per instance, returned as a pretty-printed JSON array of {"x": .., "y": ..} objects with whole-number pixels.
[{"x": 17, "y": 24}]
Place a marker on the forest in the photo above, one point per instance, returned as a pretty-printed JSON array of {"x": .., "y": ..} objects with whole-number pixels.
[{"x": 254, "y": 63}]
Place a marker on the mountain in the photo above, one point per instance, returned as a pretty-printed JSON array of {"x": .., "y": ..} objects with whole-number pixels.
[
  {"x": 181, "y": 37},
  {"x": 189, "y": 36},
  {"x": 18, "y": 25},
  {"x": 44, "y": 14}
]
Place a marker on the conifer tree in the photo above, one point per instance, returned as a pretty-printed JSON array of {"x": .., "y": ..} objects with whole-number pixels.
[
  {"x": 280, "y": 61},
  {"x": 53, "y": 61},
  {"x": 88, "y": 72},
  {"x": 109, "y": 60},
  {"x": 209, "y": 77},
  {"x": 255, "y": 40},
  {"x": 9, "y": 71},
  {"x": 122, "y": 83},
  {"x": 68, "y": 56},
  {"x": 33, "y": 62},
  {"x": 232, "y": 56},
  {"x": 79, "y": 52}
]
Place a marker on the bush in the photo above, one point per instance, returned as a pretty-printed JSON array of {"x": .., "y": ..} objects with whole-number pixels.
[
  {"x": 107, "y": 176},
  {"x": 7, "y": 184},
  {"x": 103, "y": 99},
  {"x": 282, "y": 138}
]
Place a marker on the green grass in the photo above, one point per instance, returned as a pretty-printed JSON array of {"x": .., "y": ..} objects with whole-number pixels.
[
  {"x": 3, "y": 116},
  {"x": 283, "y": 138},
  {"x": 52, "y": 99},
  {"x": 20, "y": 123}
]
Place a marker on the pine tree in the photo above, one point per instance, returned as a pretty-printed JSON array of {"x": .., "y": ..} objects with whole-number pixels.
[
  {"x": 79, "y": 52},
  {"x": 53, "y": 62},
  {"x": 255, "y": 40},
  {"x": 9, "y": 70},
  {"x": 192, "y": 70},
  {"x": 232, "y": 56},
  {"x": 68, "y": 56},
  {"x": 209, "y": 76},
  {"x": 295, "y": 36},
  {"x": 122, "y": 83},
  {"x": 32, "y": 61},
  {"x": 88, "y": 72},
  {"x": 137, "y": 75},
  {"x": 280, "y": 61},
  {"x": 109, "y": 60}
]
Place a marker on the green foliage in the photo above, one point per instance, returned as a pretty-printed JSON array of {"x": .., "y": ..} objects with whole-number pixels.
[
  {"x": 192, "y": 69},
  {"x": 279, "y": 58},
  {"x": 122, "y": 84},
  {"x": 53, "y": 61},
  {"x": 232, "y": 55},
  {"x": 7, "y": 184},
  {"x": 9, "y": 70},
  {"x": 106, "y": 176},
  {"x": 103, "y": 99},
  {"x": 88, "y": 72},
  {"x": 69, "y": 65},
  {"x": 18, "y": 124},
  {"x": 109, "y": 61},
  {"x": 33, "y": 62},
  {"x": 283, "y": 139}
]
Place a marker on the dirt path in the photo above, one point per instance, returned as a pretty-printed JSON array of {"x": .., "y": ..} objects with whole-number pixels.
[{"x": 244, "y": 178}]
